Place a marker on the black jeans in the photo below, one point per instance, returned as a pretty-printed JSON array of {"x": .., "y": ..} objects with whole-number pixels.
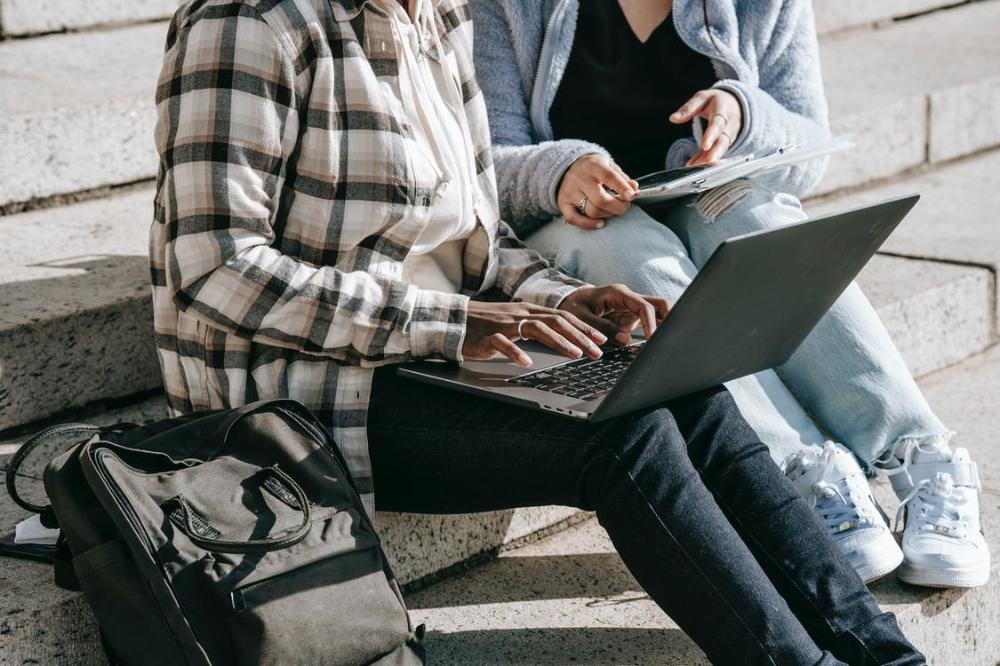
[{"x": 691, "y": 499}]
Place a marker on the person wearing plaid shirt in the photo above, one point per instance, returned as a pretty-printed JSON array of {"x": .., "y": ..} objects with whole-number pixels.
[{"x": 327, "y": 209}]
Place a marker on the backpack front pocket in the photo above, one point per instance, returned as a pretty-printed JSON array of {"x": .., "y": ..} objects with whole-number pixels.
[{"x": 284, "y": 608}]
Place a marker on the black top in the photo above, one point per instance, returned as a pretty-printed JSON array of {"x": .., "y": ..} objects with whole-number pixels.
[{"x": 618, "y": 92}]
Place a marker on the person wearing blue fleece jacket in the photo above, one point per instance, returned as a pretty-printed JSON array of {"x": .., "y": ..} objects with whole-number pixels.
[{"x": 584, "y": 96}]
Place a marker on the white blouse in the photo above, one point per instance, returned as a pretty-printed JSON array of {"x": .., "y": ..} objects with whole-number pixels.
[{"x": 427, "y": 94}]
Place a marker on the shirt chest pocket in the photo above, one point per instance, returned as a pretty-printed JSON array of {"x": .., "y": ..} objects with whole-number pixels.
[{"x": 415, "y": 169}]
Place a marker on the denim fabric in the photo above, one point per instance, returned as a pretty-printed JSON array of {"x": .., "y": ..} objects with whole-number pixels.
[
  {"x": 846, "y": 382},
  {"x": 689, "y": 496}
]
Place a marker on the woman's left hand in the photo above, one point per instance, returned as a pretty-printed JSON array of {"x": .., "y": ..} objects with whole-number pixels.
[
  {"x": 615, "y": 310},
  {"x": 725, "y": 119}
]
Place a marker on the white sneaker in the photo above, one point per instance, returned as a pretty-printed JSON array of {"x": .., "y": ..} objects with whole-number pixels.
[
  {"x": 943, "y": 544},
  {"x": 833, "y": 482}
]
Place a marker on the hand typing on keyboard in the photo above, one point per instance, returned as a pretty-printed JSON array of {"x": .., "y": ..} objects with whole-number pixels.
[
  {"x": 585, "y": 379},
  {"x": 586, "y": 318}
]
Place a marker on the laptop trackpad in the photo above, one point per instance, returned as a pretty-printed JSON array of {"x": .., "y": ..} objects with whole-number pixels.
[
  {"x": 494, "y": 373},
  {"x": 541, "y": 357}
]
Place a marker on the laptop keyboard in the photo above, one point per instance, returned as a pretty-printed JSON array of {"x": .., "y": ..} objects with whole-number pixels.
[{"x": 584, "y": 379}]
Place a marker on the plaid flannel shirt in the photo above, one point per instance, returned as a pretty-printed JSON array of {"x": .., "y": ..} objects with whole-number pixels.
[{"x": 286, "y": 204}]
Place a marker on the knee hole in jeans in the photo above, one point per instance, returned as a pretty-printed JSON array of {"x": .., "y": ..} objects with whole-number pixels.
[{"x": 717, "y": 202}]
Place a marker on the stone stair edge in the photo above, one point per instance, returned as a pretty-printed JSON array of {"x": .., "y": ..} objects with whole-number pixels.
[
  {"x": 836, "y": 16},
  {"x": 962, "y": 191},
  {"x": 30, "y": 18},
  {"x": 34, "y": 18},
  {"x": 906, "y": 92}
]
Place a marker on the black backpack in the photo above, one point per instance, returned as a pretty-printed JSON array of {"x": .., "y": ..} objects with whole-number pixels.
[{"x": 227, "y": 537}]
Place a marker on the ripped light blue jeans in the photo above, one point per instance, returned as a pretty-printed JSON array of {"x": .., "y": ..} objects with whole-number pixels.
[{"x": 847, "y": 382}]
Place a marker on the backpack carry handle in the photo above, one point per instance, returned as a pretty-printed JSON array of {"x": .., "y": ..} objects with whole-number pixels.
[
  {"x": 214, "y": 544},
  {"x": 221, "y": 434},
  {"x": 81, "y": 431}
]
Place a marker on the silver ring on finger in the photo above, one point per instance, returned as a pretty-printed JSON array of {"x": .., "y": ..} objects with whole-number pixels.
[
  {"x": 581, "y": 207},
  {"x": 726, "y": 134},
  {"x": 520, "y": 325},
  {"x": 725, "y": 120}
]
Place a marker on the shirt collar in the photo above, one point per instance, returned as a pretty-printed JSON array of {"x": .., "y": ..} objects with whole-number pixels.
[{"x": 346, "y": 10}]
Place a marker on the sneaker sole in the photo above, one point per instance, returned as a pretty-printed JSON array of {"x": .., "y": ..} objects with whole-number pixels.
[
  {"x": 914, "y": 575},
  {"x": 879, "y": 558},
  {"x": 879, "y": 570}
]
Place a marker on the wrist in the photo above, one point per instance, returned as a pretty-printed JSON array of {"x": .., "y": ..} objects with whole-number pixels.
[
  {"x": 569, "y": 152},
  {"x": 570, "y": 298}
]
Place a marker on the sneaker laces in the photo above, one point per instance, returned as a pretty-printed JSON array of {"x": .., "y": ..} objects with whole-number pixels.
[
  {"x": 906, "y": 456},
  {"x": 837, "y": 512},
  {"x": 939, "y": 506},
  {"x": 829, "y": 498}
]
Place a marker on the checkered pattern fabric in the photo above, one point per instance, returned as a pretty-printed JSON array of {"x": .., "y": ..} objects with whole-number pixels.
[{"x": 286, "y": 204}]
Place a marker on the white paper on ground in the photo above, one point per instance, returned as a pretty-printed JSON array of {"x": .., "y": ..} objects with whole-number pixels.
[{"x": 32, "y": 531}]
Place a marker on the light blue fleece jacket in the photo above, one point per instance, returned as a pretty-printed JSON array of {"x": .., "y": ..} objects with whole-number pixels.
[{"x": 763, "y": 51}]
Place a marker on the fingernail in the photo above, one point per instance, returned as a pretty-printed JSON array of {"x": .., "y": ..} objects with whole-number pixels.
[
  {"x": 600, "y": 225},
  {"x": 600, "y": 337},
  {"x": 676, "y": 114},
  {"x": 623, "y": 338}
]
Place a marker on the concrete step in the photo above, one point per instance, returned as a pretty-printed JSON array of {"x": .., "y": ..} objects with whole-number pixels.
[
  {"x": 75, "y": 311},
  {"x": 833, "y": 15},
  {"x": 957, "y": 216},
  {"x": 937, "y": 314},
  {"x": 913, "y": 92},
  {"x": 77, "y": 111},
  {"x": 31, "y": 17},
  {"x": 75, "y": 315},
  {"x": 568, "y": 599}
]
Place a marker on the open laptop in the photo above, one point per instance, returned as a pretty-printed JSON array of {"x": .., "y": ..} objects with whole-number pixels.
[{"x": 748, "y": 309}]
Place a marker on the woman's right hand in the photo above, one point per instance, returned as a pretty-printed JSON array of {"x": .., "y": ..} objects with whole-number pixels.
[
  {"x": 492, "y": 328},
  {"x": 586, "y": 179}
]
